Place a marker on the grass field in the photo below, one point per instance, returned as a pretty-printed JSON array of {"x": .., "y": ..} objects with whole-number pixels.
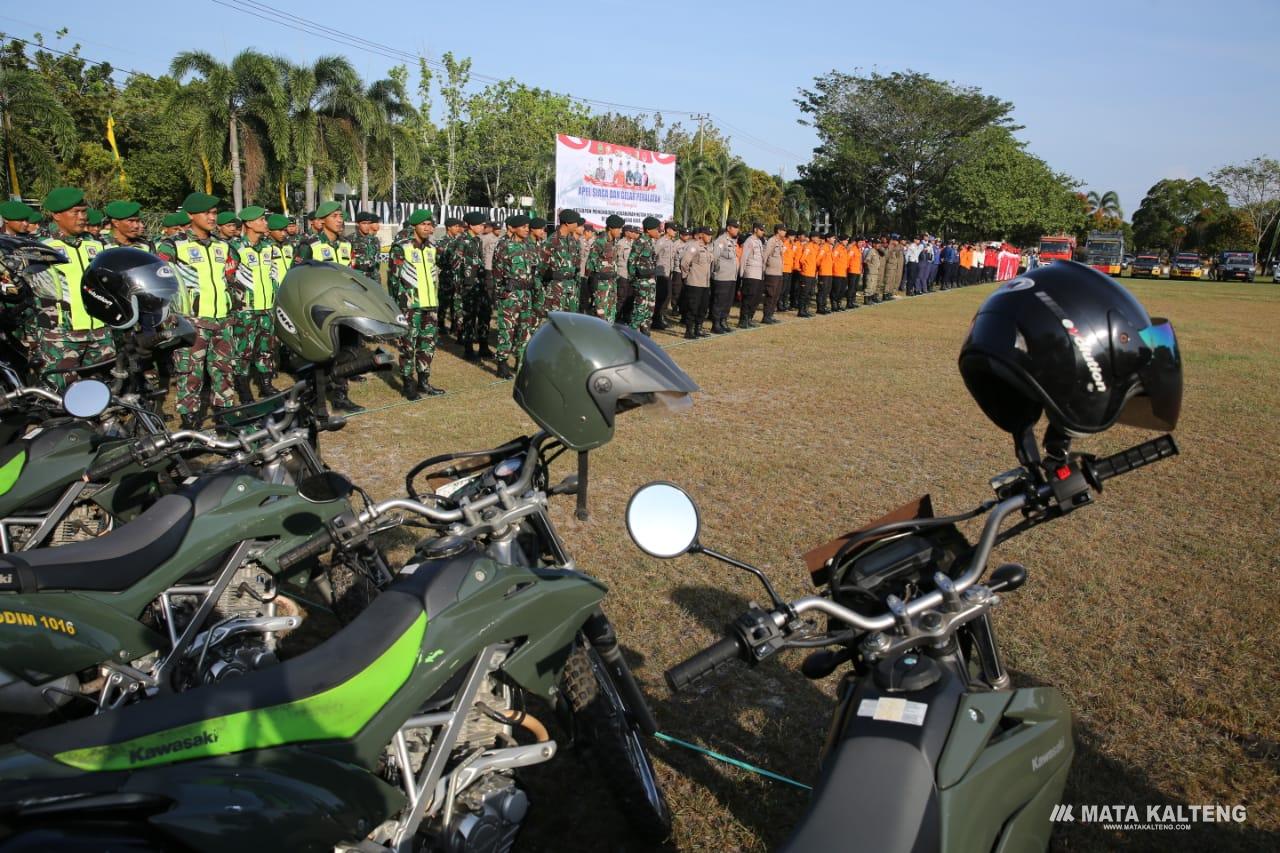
[{"x": 1153, "y": 611}]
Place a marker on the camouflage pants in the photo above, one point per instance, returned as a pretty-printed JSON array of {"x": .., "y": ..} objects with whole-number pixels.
[
  {"x": 559, "y": 296},
  {"x": 515, "y": 319},
  {"x": 212, "y": 354},
  {"x": 477, "y": 308},
  {"x": 606, "y": 299},
  {"x": 254, "y": 343},
  {"x": 457, "y": 310},
  {"x": 645, "y": 291},
  {"x": 419, "y": 345},
  {"x": 60, "y": 348}
]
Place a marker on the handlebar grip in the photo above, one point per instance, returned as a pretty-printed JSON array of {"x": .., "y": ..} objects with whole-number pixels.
[
  {"x": 1135, "y": 457},
  {"x": 363, "y": 362},
  {"x": 703, "y": 663},
  {"x": 316, "y": 545},
  {"x": 103, "y": 468}
]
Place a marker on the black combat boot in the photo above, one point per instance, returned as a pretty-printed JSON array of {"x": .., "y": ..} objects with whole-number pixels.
[
  {"x": 469, "y": 354},
  {"x": 190, "y": 422},
  {"x": 243, "y": 391},
  {"x": 425, "y": 387},
  {"x": 265, "y": 386},
  {"x": 688, "y": 330},
  {"x": 343, "y": 403},
  {"x": 504, "y": 371},
  {"x": 409, "y": 389},
  {"x": 485, "y": 352}
]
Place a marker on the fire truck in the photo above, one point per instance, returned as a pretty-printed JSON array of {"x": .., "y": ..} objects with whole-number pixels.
[
  {"x": 1057, "y": 247},
  {"x": 1104, "y": 251}
]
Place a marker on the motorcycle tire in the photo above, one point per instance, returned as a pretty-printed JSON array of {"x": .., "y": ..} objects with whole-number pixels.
[{"x": 614, "y": 745}]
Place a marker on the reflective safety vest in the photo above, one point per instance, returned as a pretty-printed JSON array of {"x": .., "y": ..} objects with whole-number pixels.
[
  {"x": 281, "y": 260},
  {"x": 204, "y": 273},
  {"x": 254, "y": 275},
  {"x": 331, "y": 253},
  {"x": 418, "y": 275},
  {"x": 70, "y": 307}
]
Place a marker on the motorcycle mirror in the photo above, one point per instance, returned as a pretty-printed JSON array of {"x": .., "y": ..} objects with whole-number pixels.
[
  {"x": 86, "y": 398},
  {"x": 325, "y": 487},
  {"x": 663, "y": 520},
  {"x": 567, "y": 486}
]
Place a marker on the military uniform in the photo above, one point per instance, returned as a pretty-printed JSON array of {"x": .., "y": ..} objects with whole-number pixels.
[
  {"x": 68, "y": 336},
  {"x": 603, "y": 269},
  {"x": 622, "y": 251},
  {"x": 468, "y": 277},
  {"x": 412, "y": 279},
  {"x": 515, "y": 265},
  {"x": 206, "y": 270},
  {"x": 366, "y": 255},
  {"x": 563, "y": 254},
  {"x": 254, "y": 297},
  {"x": 642, "y": 269}
]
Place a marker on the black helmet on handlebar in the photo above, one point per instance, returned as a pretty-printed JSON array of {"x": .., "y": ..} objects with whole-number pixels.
[
  {"x": 579, "y": 371},
  {"x": 1071, "y": 342},
  {"x": 126, "y": 287}
]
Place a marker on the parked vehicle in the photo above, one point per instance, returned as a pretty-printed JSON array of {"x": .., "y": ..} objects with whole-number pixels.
[
  {"x": 1058, "y": 247},
  {"x": 1186, "y": 265},
  {"x": 1146, "y": 266},
  {"x": 1104, "y": 251},
  {"x": 1235, "y": 266},
  {"x": 930, "y": 747}
]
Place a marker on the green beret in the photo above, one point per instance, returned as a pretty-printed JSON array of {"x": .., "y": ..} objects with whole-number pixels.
[
  {"x": 176, "y": 219},
  {"x": 325, "y": 209},
  {"x": 651, "y": 222},
  {"x": 475, "y": 217},
  {"x": 200, "y": 202},
  {"x": 536, "y": 222},
  {"x": 251, "y": 213},
  {"x": 419, "y": 216},
  {"x": 614, "y": 221},
  {"x": 14, "y": 210},
  {"x": 93, "y": 216},
  {"x": 226, "y": 217},
  {"x": 569, "y": 216},
  {"x": 277, "y": 222},
  {"x": 517, "y": 220},
  {"x": 63, "y": 198},
  {"x": 36, "y": 217},
  {"x": 122, "y": 209}
]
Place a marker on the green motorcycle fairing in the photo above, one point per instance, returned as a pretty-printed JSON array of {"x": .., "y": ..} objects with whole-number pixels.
[
  {"x": 336, "y": 707},
  {"x": 50, "y": 633}
]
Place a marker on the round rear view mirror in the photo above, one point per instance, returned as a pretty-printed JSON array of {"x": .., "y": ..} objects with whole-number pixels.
[
  {"x": 86, "y": 398},
  {"x": 662, "y": 520}
]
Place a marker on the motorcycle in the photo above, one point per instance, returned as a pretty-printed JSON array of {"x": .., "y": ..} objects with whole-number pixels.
[
  {"x": 403, "y": 731},
  {"x": 929, "y": 747},
  {"x": 196, "y": 588}
]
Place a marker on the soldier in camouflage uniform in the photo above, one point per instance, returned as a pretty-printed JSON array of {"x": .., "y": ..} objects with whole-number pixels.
[
  {"x": 228, "y": 229},
  {"x": 279, "y": 246},
  {"x": 538, "y": 301},
  {"x": 18, "y": 314},
  {"x": 468, "y": 277},
  {"x": 602, "y": 268},
  {"x": 206, "y": 268},
  {"x": 366, "y": 248},
  {"x": 254, "y": 296},
  {"x": 94, "y": 220},
  {"x": 411, "y": 279},
  {"x": 586, "y": 292},
  {"x": 561, "y": 270},
  {"x": 515, "y": 269},
  {"x": 127, "y": 230},
  {"x": 642, "y": 268},
  {"x": 68, "y": 336},
  {"x": 174, "y": 226},
  {"x": 447, "y": 313}
]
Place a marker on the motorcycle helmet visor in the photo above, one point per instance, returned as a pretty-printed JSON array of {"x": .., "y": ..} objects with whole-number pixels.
[
  {"x": 1158, "y": 402},
  {"x": 153, "y": 289}
]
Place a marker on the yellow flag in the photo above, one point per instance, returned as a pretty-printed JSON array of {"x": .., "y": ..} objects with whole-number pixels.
[{"x": 111, "y": 140}]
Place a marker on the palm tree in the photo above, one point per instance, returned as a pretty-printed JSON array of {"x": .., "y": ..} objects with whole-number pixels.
[
  {"x": 797, "y": 210},
  {"x": 384, "y": 108},
  {"x": 241, "y": 102},
  {"x": 722, "y": 183},
  {"x": 36, "y": 123},
  {"x": 1104, "y": 206},
  {"x": 321, "y": 100}
]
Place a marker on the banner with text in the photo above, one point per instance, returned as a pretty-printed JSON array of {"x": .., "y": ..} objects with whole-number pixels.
[{"x": 599, "y": 178}]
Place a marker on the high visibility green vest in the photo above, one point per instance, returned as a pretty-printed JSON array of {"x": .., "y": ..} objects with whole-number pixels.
[
  {"x": 71, "y": 313},
  {"x": 254, "y": 275},
  {"x": 208, "y": 265},
  {"x": 282, "y": 258},
  {"x": 331, "y": 253},
  {"x": 417, "y": 275}
]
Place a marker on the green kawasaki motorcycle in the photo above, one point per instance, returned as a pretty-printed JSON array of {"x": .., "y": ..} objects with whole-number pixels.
[
  {"x": 405, "y": 730},
  {"x": 930, "y": 747}
]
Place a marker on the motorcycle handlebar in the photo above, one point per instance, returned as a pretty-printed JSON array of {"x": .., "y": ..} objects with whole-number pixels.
[
  {"x": 106, "y": 467},
  {"x": 316, "y": 545},
  {"x": 1134, "y": 458},
  {"x": 703, "y": 663},
  {"x": 364, "y": 362}
]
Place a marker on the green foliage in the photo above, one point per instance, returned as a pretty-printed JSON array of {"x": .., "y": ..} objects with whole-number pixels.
[
  {"x": 1175, "y": 214},
  {"x": 1104, "y": 205},
  {"x": 1254, "y": 188},
  {"x": 764, "y": 203}
]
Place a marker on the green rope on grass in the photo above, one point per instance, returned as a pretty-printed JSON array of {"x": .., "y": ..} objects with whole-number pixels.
[{"x": 768, "y": 774}]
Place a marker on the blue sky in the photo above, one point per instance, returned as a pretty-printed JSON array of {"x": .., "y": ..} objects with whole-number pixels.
[{"x": 1117, "y": 94}]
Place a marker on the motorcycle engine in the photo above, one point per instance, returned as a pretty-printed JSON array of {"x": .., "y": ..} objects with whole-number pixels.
[
  {"x": 248, "y": 599},
  {"x": 84, "y": 521}
]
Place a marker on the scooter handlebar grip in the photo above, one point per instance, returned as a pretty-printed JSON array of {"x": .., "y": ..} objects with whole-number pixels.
[
  {"x": 703, "y": 663},
  {"x": 316, "y": 545},
  {"x": 103, "y": 468},
  {"x": 1135, "y": 457},
  {"x": 364, "y": 362}
]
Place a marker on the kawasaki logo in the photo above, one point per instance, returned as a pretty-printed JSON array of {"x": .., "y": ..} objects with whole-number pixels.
[
  {"x": 1082, "y": 345},
  {"x": 1039, "y": 761},
  {"x": 146, "y": 753}
]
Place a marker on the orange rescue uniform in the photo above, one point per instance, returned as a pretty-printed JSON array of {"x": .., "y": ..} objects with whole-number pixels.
[{"x": 840, "y": 261}]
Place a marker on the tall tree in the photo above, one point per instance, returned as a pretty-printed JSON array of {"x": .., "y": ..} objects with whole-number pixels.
[
  {"x": 723, "y": 185},
  {"x": 38, "y": 130},
  {"x": 320, "y": 106},
  {"x": 1104, "y": 205},
  {"x": 446, "y": 155},
  {"x": 398, "y": 147},
  {"x": 241, "y": 102},
  {"x": 1254, "y": 188},
  {"x": 900, "y": 131},
  {"x": 1175, "y": 212}
]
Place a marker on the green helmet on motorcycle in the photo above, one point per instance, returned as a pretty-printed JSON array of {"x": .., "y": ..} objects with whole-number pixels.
[
  {"x": 321, "y": 307},
  {"x": 579, "y": 372}
]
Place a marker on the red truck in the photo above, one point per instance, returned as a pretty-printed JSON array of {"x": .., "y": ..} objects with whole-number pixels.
[{"x": 1058, "y": 247}]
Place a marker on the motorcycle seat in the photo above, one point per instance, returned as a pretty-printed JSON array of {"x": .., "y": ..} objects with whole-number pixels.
[
  {"x": 326, "y": 693},
  {"x": 109, "y": 563}
]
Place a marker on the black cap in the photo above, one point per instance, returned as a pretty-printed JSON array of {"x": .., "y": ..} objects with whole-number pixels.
[
  {"x": 651, "y": 222},
  {"x": 731, "y": 223},
  {"x": 614, "y": 221},
  {"x": 757, "y": 226},
  {"x": 671, "y": 225},
  {"x": 452, "y": 221},
  {"x": 475, "y": 217},
  {"x": 537, "y": 222},
  {"x": 631, "y": 228},
  {"x": 702, "y": 229},
  {"x": 517, "y": 220},
  {"x": 779, "y": 227},
  {"x": 366, "y": 216},
  {"x": 569, "y": 216}
]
